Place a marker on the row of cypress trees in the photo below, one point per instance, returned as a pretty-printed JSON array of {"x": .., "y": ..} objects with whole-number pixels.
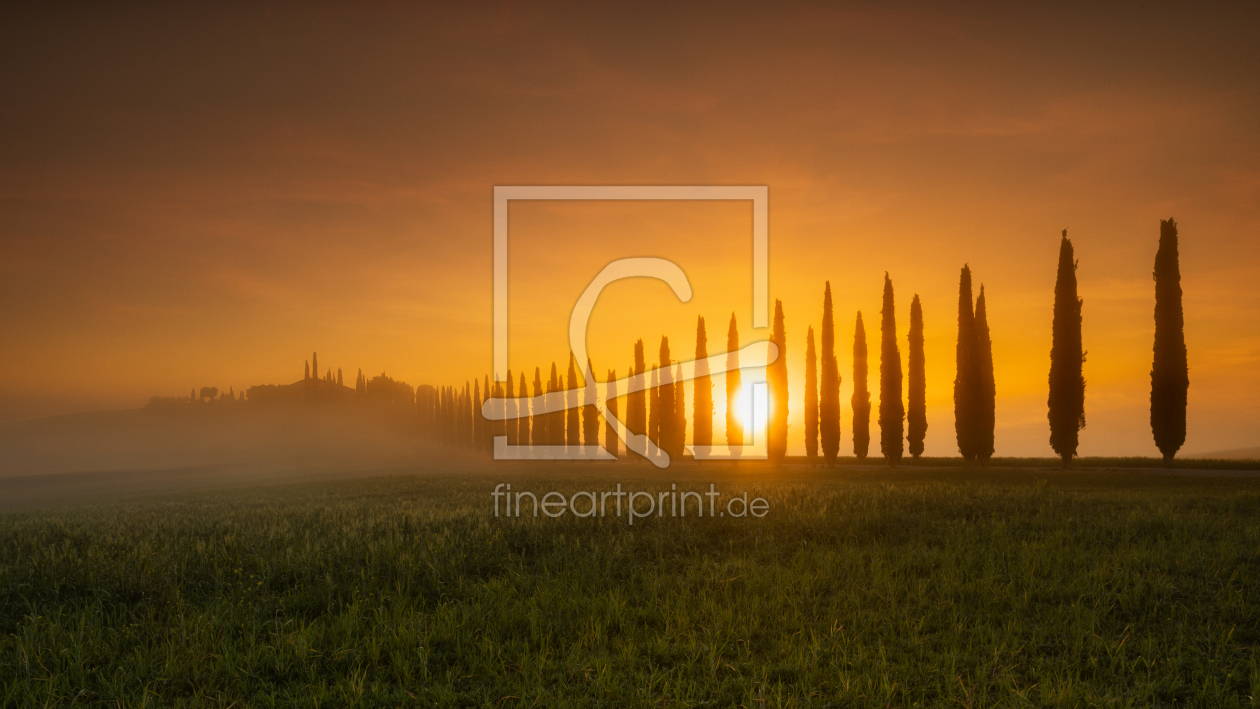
[
  {"x": 822, "y": 386},
  {"x": 660, "y": 409}
]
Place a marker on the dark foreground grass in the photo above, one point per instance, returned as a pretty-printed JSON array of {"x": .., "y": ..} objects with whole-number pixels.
[{"x": 861, "y": 588}]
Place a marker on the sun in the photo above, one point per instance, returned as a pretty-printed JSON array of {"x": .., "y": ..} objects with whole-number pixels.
[{"x": 752, "y": 407}]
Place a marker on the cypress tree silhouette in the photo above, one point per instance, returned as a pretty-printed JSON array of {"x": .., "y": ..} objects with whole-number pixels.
[
  {"x": 636, "y": 402},
  {"x": 478, "y": 419},
  {"x": 306, "y": 372},
  {"x": 192, "y": 395},
  {"x": 702, "y": 425},
  {"x": 510, "y": 426},
  {"x": 339, "y": 382},
  {"x": 966, "y": 377},
  {"x": 522, "y": 412},
  {"x": 680, "y": 414},
  {"x": 861, "y": 399},
  {"x": 654, "y": 408},
  {"x": 892, "y": 413},
  {"x": 573, "y": 427},
  {"x": 555, "y": 424},
  {"x": 916, "y": 418},
  {"x": 667, "y": 401},
  {"x": 734, "y": 427},
  {"x": 590, "y": 414},
  {"x": 811, "y": 399},
  {"x": 1067, "y": 381},
  {"x": 986, "y": 400},
  {"x": 538, "y": 422},
  {"x": 488, "y": 427},
  {"x": 829, "y": 386},
  {"x": 1170, "y": 373},
  {"x": 610, "y": 432},
  {"x": 315, "y": 365},
  {"x": 776, "y": 375}
]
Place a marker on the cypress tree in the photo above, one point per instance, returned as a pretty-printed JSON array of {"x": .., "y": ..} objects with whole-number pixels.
[
  {"x": 916, "y": 418},
  {"x": 966, "y": 385},
  {"x": 986, "y": 411},
  {"x": 1170, "y": 373},
  {"x": 555, "y": 426},
  {"x": 509, "y": 408},
  {"x": 611, "y": 442},
  {"x": 306, "y": 369},
  {"x": 702, "y": 433},
  {"x": 478, "y": 419},
  {"x": 776, "y": 374},
  {"x": 522, "y": 413},
  {"x": 488, "y": 427},
  {"x": 892, "y": 413},
  {"x": 590, "y": 413},
  {"x": 654, "y": 409},
  {"x": 680, "y": 414},
  {"x": 1067, "y": 381},
  {"x": 315, "y": 365},
  {"x": 339, "y": 381},
  {"x": 573, "y": 427},
  {"x": 734, "y": 427},
  {"x": 861, "y": 400},
  {"x": 666, "y": 419},
  {"x": 497, "y": 428},
  {"x": 811, "y": 399},
  {"x": 829, "y": 386},
  {"x": 636, "y": 401},
  {"x": 539, "y": 420}
]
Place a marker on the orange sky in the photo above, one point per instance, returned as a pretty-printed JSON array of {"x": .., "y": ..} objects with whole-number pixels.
[{"x": 202, "y": 197}]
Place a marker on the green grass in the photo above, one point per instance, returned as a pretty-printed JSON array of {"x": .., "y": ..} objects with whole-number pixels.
[{"x": 860, "y": 588}]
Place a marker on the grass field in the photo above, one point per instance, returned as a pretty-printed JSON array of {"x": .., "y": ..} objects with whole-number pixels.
[{"x": 860, "y": 587}]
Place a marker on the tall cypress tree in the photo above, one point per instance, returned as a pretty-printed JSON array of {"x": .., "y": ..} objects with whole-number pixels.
[
  {"x": 734, "y": 426},
  {"x": 611, "y": 442},
  {"x": 487, "y": 427},
  {"x": 986, "y": 411},
  {"x": 478, "y": 419},
  {"x": 636, "y": 401},
  {"x": 702, "y": 434},
  {"x": 829, "y": 385},
  {"x": 861, "y": 399},
  {"x": 497, "y": 428},
  {"x": 573, "y": 429},
  {"x": 654, "y": 408},
  {"x": 1067, "y": 355},
  {"x": 306, "y": 371},
  {"x": 966, "y": 377},
  {"x": 509, "y": 407},
  {"x": 538, "y": 422},
  {"x": 680, "y": 413},
  {"x": 522, "y": 412},
  {"x": 665, "y": 410},
  {"x": 1170, "y": 373},
  {"x": 916, "y": 418},
  {"x": 555, "y": 426},
  {"x": 811, "y": 399},
  {"x": 315, "y": 365},
  {"x": 892, "y": 413},
  {"x": 777, "y": 377},
  {"x": 590, "y": 413}
]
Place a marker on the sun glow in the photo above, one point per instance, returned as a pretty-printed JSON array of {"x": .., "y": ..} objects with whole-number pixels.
[{"x": 753, "y": 408}]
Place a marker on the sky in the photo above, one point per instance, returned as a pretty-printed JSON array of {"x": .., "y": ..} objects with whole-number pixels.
[{"x": 204, "y": 196}]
